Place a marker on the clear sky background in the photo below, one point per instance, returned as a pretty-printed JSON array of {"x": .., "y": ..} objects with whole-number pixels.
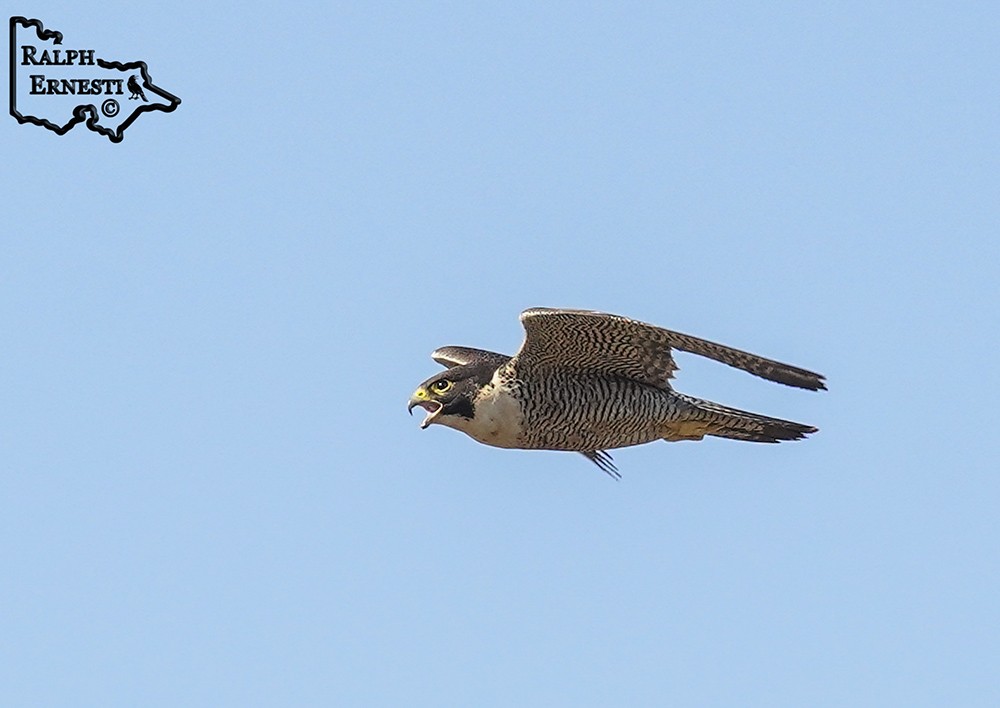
[{"x": 211, "y": 494}]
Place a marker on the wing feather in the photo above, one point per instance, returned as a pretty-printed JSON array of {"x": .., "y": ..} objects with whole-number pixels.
[
  {"x": 583, "y": 340},
  {"x": 460, "y": 356},
  {"x": 603, "y": 460}
]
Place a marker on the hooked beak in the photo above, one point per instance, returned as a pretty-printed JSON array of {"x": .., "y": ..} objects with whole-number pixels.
[{"x": 420, "y": 398}]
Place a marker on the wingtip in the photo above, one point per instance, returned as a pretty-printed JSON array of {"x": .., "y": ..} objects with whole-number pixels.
[
  {"x": 605, "y": 462},
  {"x": 797, "y": 378}
]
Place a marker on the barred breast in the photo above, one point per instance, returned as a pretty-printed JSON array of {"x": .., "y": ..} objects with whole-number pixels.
[{"x": 583, "y": 412}]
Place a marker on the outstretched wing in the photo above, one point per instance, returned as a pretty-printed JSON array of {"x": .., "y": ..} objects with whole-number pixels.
[
  {"x": 460, "y": 356},
  {"x": 582, "y": 340}
]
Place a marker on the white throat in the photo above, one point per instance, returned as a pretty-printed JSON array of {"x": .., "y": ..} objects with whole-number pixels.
[{"x": 497, "y": 420}]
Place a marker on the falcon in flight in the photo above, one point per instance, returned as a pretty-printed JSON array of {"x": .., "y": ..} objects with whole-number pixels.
[{"x": 590, "y": 382}]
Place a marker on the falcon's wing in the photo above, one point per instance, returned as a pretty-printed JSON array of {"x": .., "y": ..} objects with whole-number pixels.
[
  {"x": 597, "y": 342},
  {"x": 459, "y": 356},
  {"x": 603, "y": 460}
]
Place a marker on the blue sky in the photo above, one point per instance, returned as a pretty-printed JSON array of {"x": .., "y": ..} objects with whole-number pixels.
[{"x": 211, "y": 493}]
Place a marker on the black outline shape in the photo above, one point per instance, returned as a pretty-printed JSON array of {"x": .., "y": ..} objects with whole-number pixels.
[{"x": 80, "y": 113}]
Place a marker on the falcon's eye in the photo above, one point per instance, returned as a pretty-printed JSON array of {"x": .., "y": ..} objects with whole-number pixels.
[{"x": 441, "y": 386}]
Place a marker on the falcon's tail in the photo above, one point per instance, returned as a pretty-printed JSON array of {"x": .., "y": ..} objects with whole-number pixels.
[{"x": 708, "y": 418}]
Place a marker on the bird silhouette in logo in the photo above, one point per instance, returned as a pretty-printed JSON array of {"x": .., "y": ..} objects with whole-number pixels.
[{"x": 135, "y": 88}]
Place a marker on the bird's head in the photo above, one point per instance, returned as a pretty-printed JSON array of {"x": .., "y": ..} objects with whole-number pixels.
[{"x": 449, "y": 398}]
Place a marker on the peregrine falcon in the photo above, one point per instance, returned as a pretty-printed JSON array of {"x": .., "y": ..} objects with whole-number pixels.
[{"x": 588, "y": 382}]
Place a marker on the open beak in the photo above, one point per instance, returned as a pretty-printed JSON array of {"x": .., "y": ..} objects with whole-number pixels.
[{"x": 420, "y": 398}]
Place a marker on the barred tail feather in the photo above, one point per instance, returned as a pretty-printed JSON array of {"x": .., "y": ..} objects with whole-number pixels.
[{"x": 724, "y": 422}]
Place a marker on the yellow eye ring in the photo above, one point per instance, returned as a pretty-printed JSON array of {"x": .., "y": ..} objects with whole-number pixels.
[{"x": 441, "y": 386}]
